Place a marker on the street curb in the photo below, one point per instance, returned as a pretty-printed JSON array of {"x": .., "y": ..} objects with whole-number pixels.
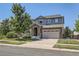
[{"x": 61, "y": 49}]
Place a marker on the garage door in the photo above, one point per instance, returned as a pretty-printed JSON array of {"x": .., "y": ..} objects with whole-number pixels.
[{"x": 50, "y": 34}]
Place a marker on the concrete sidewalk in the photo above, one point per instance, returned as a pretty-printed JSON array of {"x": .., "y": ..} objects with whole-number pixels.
[{"x": 43, "y": 43}]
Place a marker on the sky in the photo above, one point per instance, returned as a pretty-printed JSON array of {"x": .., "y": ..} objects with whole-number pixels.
[{"x": 69, "y": 11}]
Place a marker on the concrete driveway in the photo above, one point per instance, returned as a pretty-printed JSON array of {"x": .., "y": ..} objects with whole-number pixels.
[{"x": 43, "y": 43}]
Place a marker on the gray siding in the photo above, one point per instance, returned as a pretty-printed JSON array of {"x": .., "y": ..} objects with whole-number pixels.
[{"x": 51, "y": 21}]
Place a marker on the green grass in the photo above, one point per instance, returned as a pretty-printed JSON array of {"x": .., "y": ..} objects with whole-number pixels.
[
  {"x": 67, "y": 46},
  {"x": 15, "y": 41},
  {"x": 12, "y": 42},
  {"x": 68, "y": 41}
]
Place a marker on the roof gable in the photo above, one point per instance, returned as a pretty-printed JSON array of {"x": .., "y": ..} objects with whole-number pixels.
[
  {"x": 40, "y": 17},
  {"x": 35, "y": 24}
]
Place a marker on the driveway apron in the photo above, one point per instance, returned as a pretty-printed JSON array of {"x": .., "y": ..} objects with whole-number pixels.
[{"x": 43, "y": 43}]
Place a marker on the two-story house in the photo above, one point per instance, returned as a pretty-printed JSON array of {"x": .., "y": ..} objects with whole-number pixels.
[{"x": 49, "y": 27}]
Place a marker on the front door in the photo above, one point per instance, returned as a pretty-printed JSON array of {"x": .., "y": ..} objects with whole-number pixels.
[{"x": 35, "y": 31}]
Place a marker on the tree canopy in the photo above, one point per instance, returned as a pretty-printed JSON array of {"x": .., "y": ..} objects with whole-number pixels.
[
  {"x": 67, "y": 32},
  {"x": 21, "y": 19},
  {"x": 18, "y": 23},
  {"x": 77, "y": 25},
  {"x": 4, "y": 28}
]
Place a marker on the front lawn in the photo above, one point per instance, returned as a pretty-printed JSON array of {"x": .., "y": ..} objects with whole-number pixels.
[
  {"x": 12, "y": 42},
  {"x": 67, "y": 44},
  {"x": 68, "y": 41}
]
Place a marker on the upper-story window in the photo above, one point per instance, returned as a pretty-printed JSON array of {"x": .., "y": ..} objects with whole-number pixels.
[
  {"x": 56, "y": 20},
  {"x": 60, "y": 20},
  {"x": 40, "y": 22},
  {"x": 52, "y": 21},
  {"x": 46, "y": 22},
  {"x": 49, "y": 21}
]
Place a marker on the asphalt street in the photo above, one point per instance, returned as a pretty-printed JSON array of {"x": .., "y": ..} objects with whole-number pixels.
[{"x": 23, "y": 51}]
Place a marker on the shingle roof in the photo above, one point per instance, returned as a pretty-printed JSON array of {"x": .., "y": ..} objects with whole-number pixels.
[
  {"x": 53, "y": 16},
  {"x": 50, "y": 16}
]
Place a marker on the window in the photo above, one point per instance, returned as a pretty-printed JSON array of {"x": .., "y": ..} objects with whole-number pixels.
[
  {"x": 40, "y": 22},
  {"x": 56, "y": 20},
  {"x": 48, "y": 21},
  {"x": 52, "y": 21},
  {"x": 60, "y": 20}
]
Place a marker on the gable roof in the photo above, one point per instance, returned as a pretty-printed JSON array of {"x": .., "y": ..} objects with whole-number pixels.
[
  {"x": 50, "y": 16},
  {"x": 40, "y": 17},
  {"x": 53, "y": 16},
  {"x": 35, "y": 23}
]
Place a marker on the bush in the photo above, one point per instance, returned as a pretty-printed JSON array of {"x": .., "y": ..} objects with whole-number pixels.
[
  {"x": 24, "y": 36},
  {"x": 11, "y": 35},
  {"x": 2, "y": 36},
  {"x": 34, "y": 38}
]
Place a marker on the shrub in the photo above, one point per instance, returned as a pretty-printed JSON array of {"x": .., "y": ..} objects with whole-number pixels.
[
  {"x": 2, "y": 36},
  {"x": 11, "y": 35},
  {"x": 34, "y": 38},
  {"x": 24, "y": 37}
]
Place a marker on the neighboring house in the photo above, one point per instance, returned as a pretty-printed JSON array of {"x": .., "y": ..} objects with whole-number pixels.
[
  {"x": 76, "y": 35},
  {"x": 48, "y": 27}
]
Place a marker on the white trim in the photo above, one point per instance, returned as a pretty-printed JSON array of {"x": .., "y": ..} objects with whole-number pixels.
[{"x": 53, "y": 26}]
